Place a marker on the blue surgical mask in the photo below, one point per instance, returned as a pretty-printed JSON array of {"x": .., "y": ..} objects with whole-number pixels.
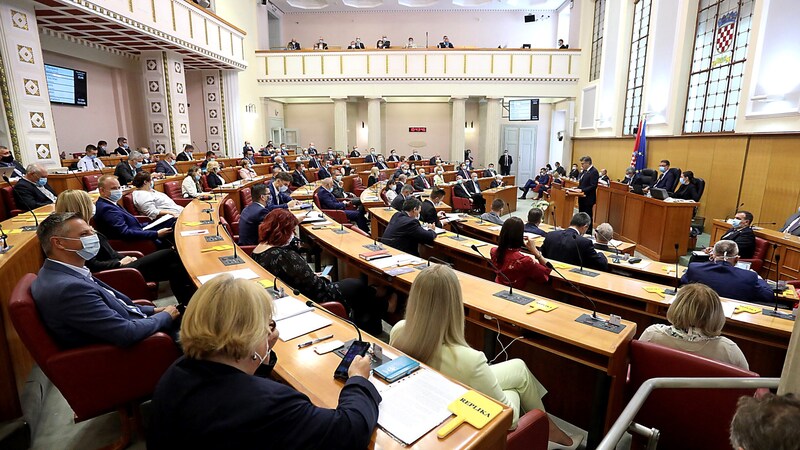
[
  {"x": 683, "y": 180},
  {"x": 171, "y": 163},
  {"x": 92, "y": 156},
  {"x": 736, "y": 223},
  {"x": 91, "y": 246},
  {"x": 115, "y": 195},
  {"x": 42, "y": 181},
  {"x": 138, "y": 165},
  {"x": 662, "y": 169},
  {"x": 197, "y": 177},
  {"x": 283, "y": 188}
]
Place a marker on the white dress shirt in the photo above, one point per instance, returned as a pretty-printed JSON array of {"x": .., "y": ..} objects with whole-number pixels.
[
  {"x": 87, "y": 164},
  {"x": 150, "y": 203}
]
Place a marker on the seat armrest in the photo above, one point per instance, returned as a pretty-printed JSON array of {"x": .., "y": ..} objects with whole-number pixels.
[{"x": 531, "y": 433}]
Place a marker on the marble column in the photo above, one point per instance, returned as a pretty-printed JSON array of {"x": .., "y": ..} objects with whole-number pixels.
[
  {"x": 490, "y": 130},
  {"x": 340, "y": 124},
  {"x": 374, "y": 137},
  {"x": 31, "y": 134},
  {"x": 213, "y": 110},
  {"x": 457, "y": 138},
  {"x": 166, "y": 102}
]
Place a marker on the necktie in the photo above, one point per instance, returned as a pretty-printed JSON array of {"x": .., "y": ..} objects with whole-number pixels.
[{"x": 793, "y": 226}]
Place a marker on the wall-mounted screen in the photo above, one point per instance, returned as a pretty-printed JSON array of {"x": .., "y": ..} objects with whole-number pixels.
[
  {"x": 527, "y": 109},
  {"x": 66, "y": 86}
]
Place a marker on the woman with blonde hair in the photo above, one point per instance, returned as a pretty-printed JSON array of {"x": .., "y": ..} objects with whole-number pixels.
[
  {"x": 433, "y": 332},
  {"x": 160, "y": 265},
  {"x": 247, "y": 172},
  {"x": 696, "y": 319},
  {"x": 374, "y": 176},
  {"x": 438, "y": 176},
  {"x": 213, "y": 178},
  {"x": 211, "y": 397}
]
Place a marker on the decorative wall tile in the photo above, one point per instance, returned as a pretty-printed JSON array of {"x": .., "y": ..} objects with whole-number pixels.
[
  {"x": 31, "y": 87},
  {"x": 155, "y": 107},
  {"x": 153, "y": 86},
  {"x": 160, "y": 148},
  {"x": 43, "y": 151},
  {"x": 151, "y": 64},
  {"x": 179, "y": 88},
  {"x": 158, "y": 128},
  {"x": 37, "y": 120},
  {"x": 215, "y": 146},
  {"x": 178, "y": 68},
  {"x": 213, "y": 130},
  {"x": 212, "y": 114},
  {"x": 181, "y": 108},
  {"x": 25, "y": 54},
  {"x": 210, "y": 80},
  {"x": 212, "y": 97},
  {"x": 19, "y": 20},
  {"x": 184, "y": 128}
]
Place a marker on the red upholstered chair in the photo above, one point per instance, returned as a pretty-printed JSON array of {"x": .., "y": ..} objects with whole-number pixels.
[
  {"x": 336, "y": 308},
  {"x": 90, "y": 182},
  {"x": 336, "y": 214},
  {"x": 760, "y": 253},
  {"x": 708, "y": 425},
  {"x": 204, "y": 183},
  {"x": 231, "y": 215},
  {"x": 95, "y": 379},
  {"x": 127, "y": 203},
  {"x": 7, "y": 195},
  {"x": 385, "y": 198},
  {"x": 248, "y": 249},
  {"x": 357, "y": 230},
  {"x": 531, "y": 433},
  {"x": 245, "y": 197},
  {"x": 144, "y": 247},
  {"x": 130, "y": 282},
  {"x": 173, "y": 191},
  {"x": 358, "y": 186},
  {"x": 461, "y": 204}
]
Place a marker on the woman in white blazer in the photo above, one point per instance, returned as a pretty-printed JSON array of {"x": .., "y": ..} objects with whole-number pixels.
[{"x": 433, "y": 332}]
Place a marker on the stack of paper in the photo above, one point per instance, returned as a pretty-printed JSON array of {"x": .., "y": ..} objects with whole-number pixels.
[
  {"x": 247, "y": 274},
  {"x": 396, "y": 260},
  {"x": 294, "y": 318}
]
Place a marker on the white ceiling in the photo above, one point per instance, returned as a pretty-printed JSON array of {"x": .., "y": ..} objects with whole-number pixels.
[{"x": 300, "y": 6}]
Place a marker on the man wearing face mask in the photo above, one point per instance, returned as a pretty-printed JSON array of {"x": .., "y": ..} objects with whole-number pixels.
[
  {"x": 102, "y": 148},
  {"x": 381, "y": 164},
  {"x": 428, "y": 212},
  {"x": 574, "y": 173},
  {"x": 371, "y": 157},
  {"x": 415, "y": 156},
  {"x": 279, "y": 163},
  {"x": 792, "y": 224},
  {"x": 254, "y": 213},
  {"x": 463, "y": 172},
  {"x": 740, "y": 232},
  {"x": 145, "y": 155},
  {"x": 328, "y": 201},
  {"x": 393, "y": 156},
  {"x": 126, "y": 170},
  {"x": 167, "y": 165},
  {"x": 7, "y": 160},
  {"x": 421, "y": 181},
  {"x": 32, "y": 190},
  {"x": 89, "y": 161},
  {"x": 186, "y": 154},
  {"x": 298, "y": 176},
  {"x": 667, "y": 177},
  {"x": 324, "y": 171},
  {"x": 489, "y": 172},
  {"x": 278, "y": 189},
  {"x": 115, "y": 222},
  {"x": 404, "y": 232},
  {"x": 505, "y": 163},
  {"x": 79, "y": 310},
  {"x": 122, "y": 147},
  {"x": 355, "y": 153}
]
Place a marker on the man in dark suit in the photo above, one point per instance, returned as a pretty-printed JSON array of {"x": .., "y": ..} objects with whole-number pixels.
[
  {"x": 393, "y": 156},
  {"x": 505, "y": 163},
  {"x": 489, "y": 172},
  {"x": 727, "y": 280},
  {"x": 463, "y": 172},
  {"x": 247, "y": 147},
  {"x": 421, "y": 181},
  {"x": 324, "y": 171},
  {"x": 381, "y": 164},
  {"x": 210, "y": 156},
  {"x": 560, "y": 169},
  {"x": 321, "y": 45},
  {"x": 313, "y": 162},
  {"x": 497, "y": 182},
  {"x": 630, "y": 176},
  {"x": 298, "y": 176},
  {"x": 383, "y": 43},
  {"x": 328, "y": 201},
  {"x": 359, "y": 45},
  {"x": 186, "y": 154},
  {"x": 428, "y": 212},
  {"x": 126, "y": 170},
  {"x": 587, "y": 183},
  {"x": 292, "y": 45},
  {"x": 433, "y": 160},
  {"x": 167, "y": 165},
  {"x": 78, "y": 309},
  {"x": 7, "y": 160},
  {"x": 115, "y": 222},
  {"x": 32, "y": 190},
  {"x": 792, "y": 224},
  {"x": 445, "y": 43},
  {"x": 253, "y": 214},
  {"x": 122, "y": 147},
  {"x": 534, "y": 220},
  {"x": 354, "y": 153},
  {"x": 571, "y": 247},
  {"x": 278, "y": 162},
  {"x": 279, "y": 191},
  {"x": 668, "y": 177},
  {"x": 415, "y": 156},
  {"x": 405, "y": 194},
  {"x": 371, "y": 157},
  {"x": 741, "y": 232},
  {"x": 461, "y": 189},
  {"x": 404, "y": 232}
]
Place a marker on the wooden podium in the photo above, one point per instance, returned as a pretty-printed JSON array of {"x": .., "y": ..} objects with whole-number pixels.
[
  {"x": 565, "y": 203},
  {"x": 655, "y": 225}
]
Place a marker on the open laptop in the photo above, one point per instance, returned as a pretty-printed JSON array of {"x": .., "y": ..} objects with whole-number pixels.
[
  {"x": 6, "y": 172},
  {"x": 660, "y": 194}
]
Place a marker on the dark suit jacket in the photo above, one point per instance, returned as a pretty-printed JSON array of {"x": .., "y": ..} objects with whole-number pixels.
[
  {"x": 313, "y": 163},
  {"x": 473, "y": 187},
  {"x": 381, "y": 165},
  {"x": 298, "y": 179},
  {"x": 78, "y": 312},
  {"x": 251, "y": 217},
  {"x": 214, "y": 180},
  {"x": 405, "y": 233},
  {"x": 328, "y": 201},
  {"x": 278, "y": 199},
  {"x": 194, "y": 394},
  {"x": 122, "y": 151},
  {"x": 294, "y": 45},
  {"x": 28, "y": 196},
  {"x": 117, "y": 223},
  {"x": 489, "y": 173},
  {"x": 531, "y": 228},
  {"x": 502, "y": 161},
  {"x": 792, "y": 218},
  {"x": 686, "y": 192},
  {"x": 416, "y": 157},
  {"x": 464, "y": 174},
  {"x": 744, "y": 238},
  {"x": 18, "y": 169},
  {"x": 445, "y": 45},
  {"x": 183, "y": 156},
  {"x": 729, "y": 281},
  {"x": 562, "y": 246},
  {"x": 421, "y": 183},
  {"x": 669, "y": 180},
  {"x": 432, "y": 161},
  {"x": 398, "y": 201},
  {"x": 588, "y": 184},
  {"x": 393, "y": 158},
  {"x": 460, "y": 190},
  {"x": 125, "y": 173},
  {"x": 495, "y": 184},
  {"x": 323, "y": 173},
  {"x": 163, "y": 167},
  {"x": 428, "y": 213},
  {"x": 354, "y": 154},
  {"x": 370, "y": 159}
]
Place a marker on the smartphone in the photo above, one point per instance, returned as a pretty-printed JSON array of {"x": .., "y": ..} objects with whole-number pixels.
[
  {"x": 356, "y": 348},
  {"x": 326, "y": 270}
]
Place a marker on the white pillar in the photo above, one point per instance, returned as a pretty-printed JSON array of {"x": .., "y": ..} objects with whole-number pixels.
[
  {"x": 340, "y": 124},
  {"x": 457, "y": 137},
  {"x": 790, "y": 377},
  {"x": 490, "y": 131},
  {"x": 374, "y": 138},
  {"x": 166, "y": 102}
]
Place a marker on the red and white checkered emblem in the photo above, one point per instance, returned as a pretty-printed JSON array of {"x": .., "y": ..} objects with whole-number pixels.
[{"x": 726, "y": 27}]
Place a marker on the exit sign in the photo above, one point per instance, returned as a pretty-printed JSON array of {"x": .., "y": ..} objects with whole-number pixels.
[{"x": 417, "y": 129}]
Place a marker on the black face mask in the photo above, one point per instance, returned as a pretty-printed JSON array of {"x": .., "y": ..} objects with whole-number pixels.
[{"x": 7, "y": 159}]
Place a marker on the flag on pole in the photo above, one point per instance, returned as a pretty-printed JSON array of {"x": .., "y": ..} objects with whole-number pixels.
[{"x": 639, "y": 156}]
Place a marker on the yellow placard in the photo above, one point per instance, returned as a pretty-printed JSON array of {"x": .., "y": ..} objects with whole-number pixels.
[
  {"x": 14, "y": 231},
  {"x": 655, "y": 290},
  {"x": 191, "y": 224},
  {"x": 541, "y": 305},
  {"x": 23, "y": 219},
  {"x": 473, "y": 408},
  {"x": 559, "y": 265},
  {"x": 747, "y": 308},
  {"x": 217, "y": 248},
  {"x": 266, "y": 284}
]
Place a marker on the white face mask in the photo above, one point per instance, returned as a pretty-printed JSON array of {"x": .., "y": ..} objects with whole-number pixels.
[{"x": 259, "y": 358}]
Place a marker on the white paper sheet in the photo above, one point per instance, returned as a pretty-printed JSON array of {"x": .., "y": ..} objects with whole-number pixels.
[
  {"x": 299, "y": 325},
  {"x": 194, "y": 233},
  {"x": 416, "y": 404},
  {"x": 397, "y": 260},
  {"x": 728, "y": 308},
  {"x": 158, "y": 221},
  {"x": 247, "y": 274},
  {"x": 287, "y": 307}
]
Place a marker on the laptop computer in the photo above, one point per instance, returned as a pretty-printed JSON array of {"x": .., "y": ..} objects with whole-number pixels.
[
  {"x": 637, "y": 189},
  {"x": 6, "y": 172},
  {"x": 660, "y": 194}
]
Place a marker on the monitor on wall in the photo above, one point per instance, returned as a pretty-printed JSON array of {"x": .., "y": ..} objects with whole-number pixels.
[
  {"x": 523, "y": 110},
  {"x": 66, "y": 86}
]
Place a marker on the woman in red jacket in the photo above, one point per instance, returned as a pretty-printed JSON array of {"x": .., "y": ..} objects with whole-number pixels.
[{"x": 517, "y": 266}]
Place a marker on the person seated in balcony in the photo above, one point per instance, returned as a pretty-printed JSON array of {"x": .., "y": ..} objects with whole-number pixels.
[
  {"x": 321, "y": 45},
  {"x": 410, "y": 43},
  {"x": 356, "y": 45},
  {"x": 293, "y": 45},
  {"x": 562, "y": 45},
  {"x": 383, "y": 43},
  {"x": 696, "y": 319},
  {"x": 445, "y": 43}
]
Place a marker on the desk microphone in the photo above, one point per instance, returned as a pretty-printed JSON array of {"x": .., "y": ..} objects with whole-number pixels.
[
  {"x": 231, "y": 260},
  {"x": 510, "y": 296},
  {"x": 677, "y": 278},
  {"x": 580, "y": 270},
  {"x": 763, "y": 223},
  {"x": 5, "y": 248},
  {"x": 438, "y": 261},
  {"x": 457, "y": 227},
  {"x": 279, "y": 292},
  {"x": 617, "y": 253},
  {"x": 586, "y": 319},
  {"x": 26, "y": 205},
  {"x": 217, "y": 237},
  {"x": 314, "y": 305},
  {"x": 775, "y": 291}
]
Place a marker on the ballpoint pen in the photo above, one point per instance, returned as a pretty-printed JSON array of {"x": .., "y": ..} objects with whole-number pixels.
[{"x": 314, "y": 341}]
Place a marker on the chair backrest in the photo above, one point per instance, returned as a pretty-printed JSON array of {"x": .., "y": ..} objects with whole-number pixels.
[
  {"x": 358, "y": 186},
  {"x": 385, "y": 198},
  {"x": 229, "y": 211},
  {"x": 246, "y": 197},
  {"x": 7, "y": 194},
  {"x": 700, "y": 187},
  {"x": 173, "y": 189},
  {"x": 708, "y": 424},
  {"x": 204, "y": 183},
  {"x": 337, "y": 215},
  {"x": 25, "y": 317},
  {"x": 461, "y": 203},
  {"x": 316, "y": 198},
  {"x": 648, "y": 176},
  {"x": 762, "y": 245},
  {"x": 336, "y": 308},
  {"x": 127, "y": 203},
  {"x": 90, "y": 182}
]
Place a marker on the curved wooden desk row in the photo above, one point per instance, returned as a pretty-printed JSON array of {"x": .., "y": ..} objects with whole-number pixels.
[
  {"x": 303, "y": 369},
  {"x": 763, "y": 339},
  {"x": 788, "y": 249}
]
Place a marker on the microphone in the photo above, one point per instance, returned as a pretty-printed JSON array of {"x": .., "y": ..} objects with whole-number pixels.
[
  {"x": 438, "y": 261},
  {"x": 457, "y": 227},
  {"x": 592, "y": 320},
  {"x": 230, "y": 260},
  {"x": 510, "y": 296},
  {"x": 5, "y": 247},
  {"x": 314, "y": 305},
  {"x": 617, "y": 253},
  {"x": 25, "y": 204},
  {"x": 580, "y": 270},
  {"x": 773, "y": 312},
  {"x": 217, "y": 237},
  {"x": 279, "y": 292},
  {"x": 677, "y": 278},
  {"x": 763, "y": 223}
]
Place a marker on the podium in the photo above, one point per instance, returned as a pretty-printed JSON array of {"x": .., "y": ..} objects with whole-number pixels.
[{"x": 565, "y": 203}]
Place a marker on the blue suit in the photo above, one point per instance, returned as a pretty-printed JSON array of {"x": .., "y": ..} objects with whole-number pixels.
[
  {"x": 80, "y": 311},
  {"x": 117, "y": 223},
  {"x": 729, "y": 281},
  {"x": 370, "y": 159},
  {"x": 669, "y": 180},
  {"x": 323, "y": 173},
  {"x": 251, "y": 217},
  {"x": 164, "y": 167},
  {"x": 328, "y": 201},
  {"x": 531, "y": 228},
  {"x": 277, "y": 199}
]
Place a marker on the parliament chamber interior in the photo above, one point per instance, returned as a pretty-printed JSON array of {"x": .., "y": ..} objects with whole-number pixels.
[{"x": 558, "y": 224}]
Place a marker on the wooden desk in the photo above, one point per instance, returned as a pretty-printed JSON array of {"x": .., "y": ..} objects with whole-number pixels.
[
  {"x": 507, "y": 193},
  {"x": 563, "y": 205},
  {"x": 307, "y": 372},
  {"x": 655, "y": 225}
]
